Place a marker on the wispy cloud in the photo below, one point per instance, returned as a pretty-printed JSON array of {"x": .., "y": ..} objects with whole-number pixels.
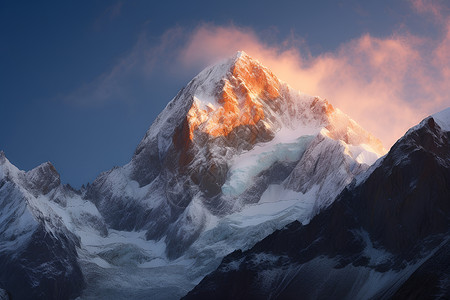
[
  {"x": 109, "y": 14},
  {"x": 385, "y": 84},
  {"x": 434, "y": 8},
  {"x": 141, "y": 62}
]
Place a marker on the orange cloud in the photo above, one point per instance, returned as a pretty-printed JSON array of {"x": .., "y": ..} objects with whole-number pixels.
[{"x": 387, "y": 85}]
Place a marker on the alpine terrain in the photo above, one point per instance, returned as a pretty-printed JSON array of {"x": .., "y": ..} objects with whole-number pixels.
[
  {"x": 238, "y": 162},
  {"x": 387, "y": 235}
]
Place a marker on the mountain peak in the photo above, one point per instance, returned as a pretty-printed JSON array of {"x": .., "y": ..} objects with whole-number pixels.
[
  {"x": 241, "y": 54},
  {"x": 242, "y": 92},
  {"x": 7, "y": 169},
  {"x": 443, "y": 119},
  {"x": 238, "y": 103},
  {"x": 43, "y": 178},
  {"x": 232, "y": 94}
]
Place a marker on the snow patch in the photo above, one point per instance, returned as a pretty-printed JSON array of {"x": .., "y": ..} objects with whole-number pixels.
[
  {"x": 287, "y": 146},
  {"x": 443, "y": 119}
]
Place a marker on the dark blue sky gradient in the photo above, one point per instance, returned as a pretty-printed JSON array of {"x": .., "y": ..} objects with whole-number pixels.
[{"x": 49, "y": 49}]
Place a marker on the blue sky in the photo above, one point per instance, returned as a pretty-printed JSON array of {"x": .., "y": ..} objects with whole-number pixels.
[{"x": 81, "y": 81}]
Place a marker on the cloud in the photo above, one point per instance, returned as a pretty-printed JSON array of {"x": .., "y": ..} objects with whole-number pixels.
[
  {"x": 109, "y": 14},
  {"x": 114, "y": 10},
  {"x": 131, "y": 71},
  {"x": 386, "y": 84},
  {"x": 434, "y": 8}
]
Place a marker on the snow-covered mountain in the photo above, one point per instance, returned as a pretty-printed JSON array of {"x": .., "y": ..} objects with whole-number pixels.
[
  {"x": 236, "y": 155},
  {"x": 38, "y": 252},
  {"x": 234, "y": 131},
  {"x": 387, "y": 235}
]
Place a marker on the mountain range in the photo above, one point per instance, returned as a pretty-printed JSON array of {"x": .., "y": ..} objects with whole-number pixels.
[{"x": 241, "y": 188}]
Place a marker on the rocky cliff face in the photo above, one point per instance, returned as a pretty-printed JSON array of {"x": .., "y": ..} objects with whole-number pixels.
[{"x": 383, "y": 234}]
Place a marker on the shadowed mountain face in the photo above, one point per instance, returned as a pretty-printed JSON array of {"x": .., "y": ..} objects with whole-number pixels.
[
  {"x": 385, "y": 236},
  {"x": 46, "y": 267},
  {"x": 430, "y": 280}
]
